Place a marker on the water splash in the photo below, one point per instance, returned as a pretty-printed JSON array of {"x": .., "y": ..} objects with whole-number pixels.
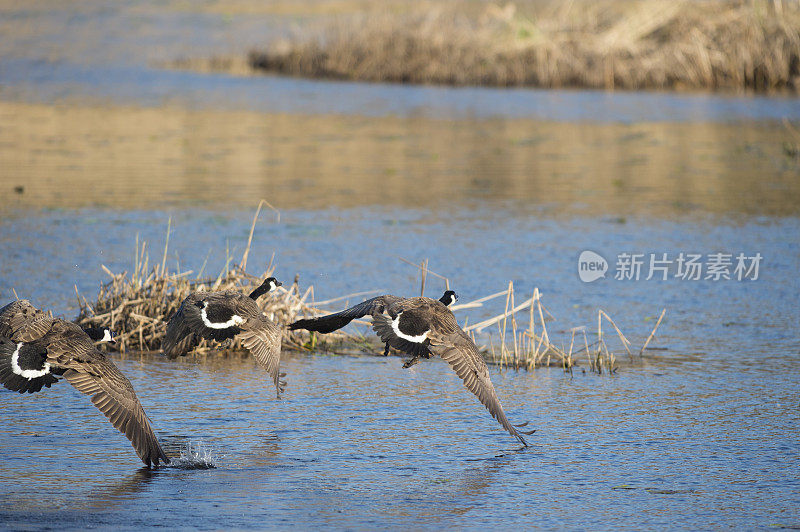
[{"x": 196, "y": 455}]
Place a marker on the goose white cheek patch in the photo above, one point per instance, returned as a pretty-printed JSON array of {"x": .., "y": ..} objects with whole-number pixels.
[
  {"x": 235, "y": 320},
  {"x": 107, "y": 336},
  {"x": 27, "y": 373},
  {"x": 416, "y": 339}
]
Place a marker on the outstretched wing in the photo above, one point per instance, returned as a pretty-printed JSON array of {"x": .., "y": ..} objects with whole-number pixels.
[
  {"x": 112, "y": 393},
  {"x": 333, "y": 322},
  {"x": 179, "y": 337},
  {"x": 462, "y": 354},
  {"x": 22, "y": 322},
  {"x": 263, "y": 339}
]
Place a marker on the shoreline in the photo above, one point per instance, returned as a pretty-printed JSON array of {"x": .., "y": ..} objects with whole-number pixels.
[{"x": 715, "y": 46}]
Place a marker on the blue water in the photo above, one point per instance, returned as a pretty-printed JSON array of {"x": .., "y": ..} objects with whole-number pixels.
[
  {"x": 40, "y": 81},
  {"x": 351, "y": 250},
  {"x": 111, "y": 53},
  {"x": 361, "y": 443},
  {"x": 700, "y": 433}
]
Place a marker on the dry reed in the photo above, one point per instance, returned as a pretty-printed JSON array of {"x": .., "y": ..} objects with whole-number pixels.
[
  {"x": 137, "y": 305},
  {"x": 517, "y": 345},
  {"x": 651, "y": 44},
  {"x": 791, "y": 146}
]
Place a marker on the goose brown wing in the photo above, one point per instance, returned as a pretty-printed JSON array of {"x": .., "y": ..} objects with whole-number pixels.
[
  {"x": 179, "y": 337},
  {"x": 263, "y": 339},
  {"x": 427, "y": 305},
  {"x": 112, "y": 393},
  {"x": 462, "y": 354},
  {"x": 333, "y": 322},
  {"x": 22, "y": 322}
]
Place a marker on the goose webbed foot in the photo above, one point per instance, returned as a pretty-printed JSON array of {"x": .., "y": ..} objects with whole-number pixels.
[
  {"x": 224, "y": 345},
  {"x": 524, "y": 425},
  {"x": 521, "y": 432},
  {"x": 281, "y": 384},
  {"x": 412, "y": 361},
  {"x": 386, "y": 350}
]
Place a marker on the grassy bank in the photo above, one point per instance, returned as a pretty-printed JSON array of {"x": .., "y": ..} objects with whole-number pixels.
[{"x": 652, "y": 44}]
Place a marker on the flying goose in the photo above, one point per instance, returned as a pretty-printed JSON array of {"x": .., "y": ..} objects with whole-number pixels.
[
  {"x": 421, "y": 326},
  {"x": 223, "y": 315},
  {"x": 448, "y": 298},
  {"x": 36, "y": 348}
]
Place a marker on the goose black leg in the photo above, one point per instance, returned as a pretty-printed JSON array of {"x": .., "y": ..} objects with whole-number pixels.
[{"x": 411, "y": 361}]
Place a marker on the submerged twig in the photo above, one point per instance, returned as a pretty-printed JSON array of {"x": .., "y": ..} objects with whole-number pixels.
[{"x": 652, "y": 333}]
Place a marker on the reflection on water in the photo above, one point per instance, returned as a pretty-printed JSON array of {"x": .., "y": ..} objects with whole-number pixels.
[
  {"x": 360, "y": 442},
  {"x": 117, "y": 491},
  {"x": 145, "y": 157}
]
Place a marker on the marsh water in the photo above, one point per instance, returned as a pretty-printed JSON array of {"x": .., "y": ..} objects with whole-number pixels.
[{"x": 101, "y": 148}]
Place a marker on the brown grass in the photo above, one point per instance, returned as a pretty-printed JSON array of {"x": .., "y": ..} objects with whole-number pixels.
[
  {"x": 137, "y": 306},
  {"x": 652, "y": 44}
]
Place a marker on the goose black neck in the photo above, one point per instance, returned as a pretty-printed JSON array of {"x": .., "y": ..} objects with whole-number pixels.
[
  {"x": 260, "y": 291},
  {"x": 95, "y": 333},
  {"x": 447, "y": 298}
]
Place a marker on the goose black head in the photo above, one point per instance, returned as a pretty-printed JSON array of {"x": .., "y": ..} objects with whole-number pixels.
[
  {"x": 448, "y": 298},
  {"x": 269, "y": 284},
  {"x": 101, "y": 334}
]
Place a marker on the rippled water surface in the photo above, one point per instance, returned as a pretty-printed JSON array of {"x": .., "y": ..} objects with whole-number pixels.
[
  {"x": 359, "y": 442},
  {"x": 102, "y": 147},
  {"x": 702, "y": 432}
]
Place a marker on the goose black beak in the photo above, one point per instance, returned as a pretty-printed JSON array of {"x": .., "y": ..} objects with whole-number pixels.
[{"x": 278, "y": 283}]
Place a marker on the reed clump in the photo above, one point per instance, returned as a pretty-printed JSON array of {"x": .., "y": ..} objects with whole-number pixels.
[
  {"x": 652, "y": 44},
  {"x": 518, "y": 337},
  {"x": 137, "y": 305}
]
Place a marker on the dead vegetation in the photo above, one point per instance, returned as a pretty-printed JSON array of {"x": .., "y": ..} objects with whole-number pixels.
[
  {"x": 138, "y": 304},
  {"x": 518, "y": 337},
  {"x": 652, "y": 44}
]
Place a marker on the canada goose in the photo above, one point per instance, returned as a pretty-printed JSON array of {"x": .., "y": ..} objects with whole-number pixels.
[
  {"x": 448, "y": 298},
  {"x": 35, "y": 348},
  {"x": 421, "y": 326},
  {"x": 221, "y": 316}
]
